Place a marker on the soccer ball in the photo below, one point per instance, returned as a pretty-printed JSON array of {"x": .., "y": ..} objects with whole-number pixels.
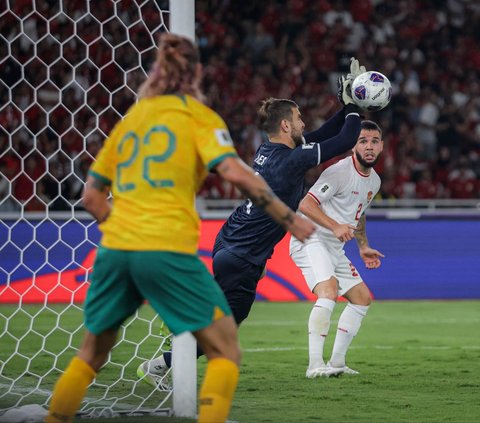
[{"x": 371, "y": 91}]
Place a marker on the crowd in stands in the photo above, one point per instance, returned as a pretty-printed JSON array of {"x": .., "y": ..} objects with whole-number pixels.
[{"x": 64, "y": 86}]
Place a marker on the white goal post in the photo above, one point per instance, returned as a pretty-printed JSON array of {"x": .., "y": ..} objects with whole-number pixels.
[
  {"x": 184, "y": 365},
  {"x": 68, "y": 71}
]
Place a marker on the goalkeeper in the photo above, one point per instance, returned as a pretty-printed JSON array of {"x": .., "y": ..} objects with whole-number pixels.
[
  {"x": 247, "y": 239},
  {"x": 153, "y": 162}
]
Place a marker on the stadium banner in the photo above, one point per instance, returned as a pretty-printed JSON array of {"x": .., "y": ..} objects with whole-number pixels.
[{"x": 45, "y": 261}]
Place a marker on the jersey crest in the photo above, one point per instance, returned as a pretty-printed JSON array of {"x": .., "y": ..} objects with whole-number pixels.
[{"x": 223, "y": 137}]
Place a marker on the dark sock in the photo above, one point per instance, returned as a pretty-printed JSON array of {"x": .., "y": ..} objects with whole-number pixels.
[{"x": 167, "y": 356}]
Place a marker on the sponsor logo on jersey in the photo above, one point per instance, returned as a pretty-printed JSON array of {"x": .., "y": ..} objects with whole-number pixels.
[
  {"x": 223, "y": 137},
  {"x": 308, "y": 146},
  {"x": 355, "y": 192},
  {"x": 324, "y": 188}
]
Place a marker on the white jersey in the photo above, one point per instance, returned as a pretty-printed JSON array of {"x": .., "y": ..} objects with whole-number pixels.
[{"x": 343, "y": 193}]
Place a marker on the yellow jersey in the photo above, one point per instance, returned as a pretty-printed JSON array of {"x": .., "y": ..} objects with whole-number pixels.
[{"x": 155, "y": 160}]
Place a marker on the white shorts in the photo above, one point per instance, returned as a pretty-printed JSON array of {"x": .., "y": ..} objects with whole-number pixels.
[{"x": 319, "y": 262}]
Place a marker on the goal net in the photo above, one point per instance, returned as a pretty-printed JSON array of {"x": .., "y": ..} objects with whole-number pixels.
[{"x": 68, "y": 71}]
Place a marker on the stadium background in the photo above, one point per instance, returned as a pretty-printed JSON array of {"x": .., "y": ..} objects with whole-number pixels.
[
  {"x": 250, "y": 50},
  {"x": 292, "y": 49},
  {"x": 69, "y": 69}
]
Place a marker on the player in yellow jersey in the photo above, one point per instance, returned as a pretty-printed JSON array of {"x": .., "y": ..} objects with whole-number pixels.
[{"x": 153, "y": 162}]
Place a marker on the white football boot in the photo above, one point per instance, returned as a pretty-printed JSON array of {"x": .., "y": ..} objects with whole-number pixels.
[
  {"x": 337, "y": 371},
  {"x": 316, "y": 372},
  {"x": 155, "y": 373}
]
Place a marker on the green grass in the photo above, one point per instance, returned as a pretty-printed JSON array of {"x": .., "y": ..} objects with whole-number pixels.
[{"x": 418, "y": 362}]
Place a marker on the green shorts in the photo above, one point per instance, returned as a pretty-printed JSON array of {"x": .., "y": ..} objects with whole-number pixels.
[{"x": 178, "y": 286}]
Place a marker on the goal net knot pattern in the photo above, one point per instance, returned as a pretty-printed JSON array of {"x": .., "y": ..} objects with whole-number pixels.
[{"x": 68, "y": 71}]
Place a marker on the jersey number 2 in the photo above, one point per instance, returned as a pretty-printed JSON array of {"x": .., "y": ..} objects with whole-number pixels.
[
  {"x": 156, "y": 158},
  {"x": 358, "y": 215}
]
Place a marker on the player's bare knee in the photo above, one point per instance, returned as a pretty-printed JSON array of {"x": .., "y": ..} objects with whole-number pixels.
[
  {"x": 366, "y": 301},
  {"x": 327, "y": 289},
  {"x": 362, "y": 299},
  {"x": 359, "y": 295},
  {"x": 365, "y": 296}
]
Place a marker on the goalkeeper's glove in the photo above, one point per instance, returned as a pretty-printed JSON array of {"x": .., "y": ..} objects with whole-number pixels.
[
  {"x": 344, "y": 92},
  {"x": 344, "y": 95},
  {"x": 355, "y": 69}
]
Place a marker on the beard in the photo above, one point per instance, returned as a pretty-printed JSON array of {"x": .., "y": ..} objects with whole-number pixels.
[
  {"x": 298, "y": 139},
  {"x": 364, "y": 163}
]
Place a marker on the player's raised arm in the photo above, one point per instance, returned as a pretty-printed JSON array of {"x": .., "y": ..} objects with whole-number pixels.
[
  {"x": 333, "y": 125},
  {"x": 346, "y": 135},
  {"x": 254, "y": 187}
]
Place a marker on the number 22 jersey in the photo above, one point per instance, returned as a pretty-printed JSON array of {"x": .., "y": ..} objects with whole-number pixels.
[{"x": 155, "y": 160}]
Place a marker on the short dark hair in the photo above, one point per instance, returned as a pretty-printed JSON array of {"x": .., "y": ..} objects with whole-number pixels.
[
  {"x": 370, "y": 125},
  {"x": 273, "y": 111}
]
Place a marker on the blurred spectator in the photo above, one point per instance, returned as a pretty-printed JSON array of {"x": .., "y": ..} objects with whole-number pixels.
[
  {"x": 426, "y": 187},
  {"x": 258, "y": 42},
  {"x": 426, "y": 124},
  {"x": 462, "y": 181},
  {"x": 7, "y": 201},
  {"x": 216, "y": 187}
]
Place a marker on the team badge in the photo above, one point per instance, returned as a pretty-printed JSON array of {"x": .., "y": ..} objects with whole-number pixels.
[{"x": 223, "y": 137}]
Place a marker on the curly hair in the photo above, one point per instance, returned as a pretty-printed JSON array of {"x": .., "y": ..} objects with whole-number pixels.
[{"x": 174, "y": 70}]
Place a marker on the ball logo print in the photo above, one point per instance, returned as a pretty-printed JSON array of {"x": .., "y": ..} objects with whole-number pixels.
[
  {"x": 377, "y": 77},
  {"x": 371, "y": 91},
  {"x": 360, "y": 92}
]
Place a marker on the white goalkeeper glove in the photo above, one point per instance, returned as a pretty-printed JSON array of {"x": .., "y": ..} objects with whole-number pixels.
[
  {"x": 344, "y": 92},
  {"x": 355, "y": 69}
]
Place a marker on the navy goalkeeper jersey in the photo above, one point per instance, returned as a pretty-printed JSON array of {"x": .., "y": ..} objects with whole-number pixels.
[{"x": 252, "y": 234}]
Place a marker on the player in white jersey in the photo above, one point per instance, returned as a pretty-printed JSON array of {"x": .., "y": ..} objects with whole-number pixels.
[{"x": 337, "y": 204}]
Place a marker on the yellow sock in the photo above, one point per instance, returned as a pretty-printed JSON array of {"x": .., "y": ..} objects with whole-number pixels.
[
  {"x": 69, "y": 391},
  {"x": 216, "y": 394}
]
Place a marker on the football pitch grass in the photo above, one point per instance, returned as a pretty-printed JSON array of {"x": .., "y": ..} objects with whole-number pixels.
[{"x": 419, "y": 361}]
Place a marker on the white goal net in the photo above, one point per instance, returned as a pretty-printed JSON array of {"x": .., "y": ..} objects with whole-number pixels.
[{"x": 68, "y": 70}]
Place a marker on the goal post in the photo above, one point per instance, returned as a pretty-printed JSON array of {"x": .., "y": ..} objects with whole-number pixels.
[
  {"x": 182, "y": 17},
  {"x": 68, "y": 72},
  {"x": 184, "y": 375},
  {"x": 184, "y": 364}
]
